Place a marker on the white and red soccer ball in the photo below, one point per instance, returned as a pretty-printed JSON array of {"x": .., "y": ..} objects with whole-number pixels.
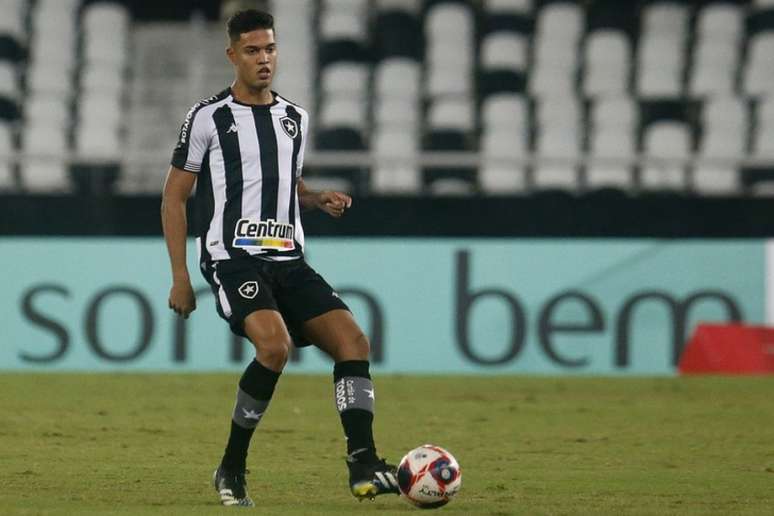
[{"x": 429, "y": 476}]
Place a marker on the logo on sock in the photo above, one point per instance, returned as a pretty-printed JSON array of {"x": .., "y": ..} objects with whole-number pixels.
[
  {"x": 251, "y": 414},
  {"x": 249, "y": 289}
]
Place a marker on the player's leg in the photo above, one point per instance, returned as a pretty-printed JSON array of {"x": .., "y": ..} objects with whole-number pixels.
[
  {"x": 337, "y": 333},
  {"x": 245, "y": 299}
]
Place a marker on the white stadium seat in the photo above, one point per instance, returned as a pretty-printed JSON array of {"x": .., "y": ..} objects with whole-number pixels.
[
  {"x": 410, "y": 6},
  {"x": 508, "y": 6},
  {"x": 560, "y": 20},
  {"x": 452, "y": 113},
  {"x": 12, "y": 20},
  {"x": 397, "y": 112},
  {"x": 499, "y": 175},
  {"x": 43, "y": 169},
  {"x": 619, "y": 113},
  {"x": 608, "y": 60},
  {"x": 503, "y": 50},
  {"x": 342, "y": 25},
  {"x": 448, "y": 82},
  {"x": 452, "y": 22},
  {"x": 613, "y": 149},
  {"x": 505, "y": 111},
  {"x": 345, "y": 79},
  {"x": 397, "y": 77},
  {"x": 721, "y": 20},
  {"x": 343, "y": 111},
  {"x": 672, "y": 141},
  {"x": 40, "y": 110},
  {"x": 758, "y": 78},
  {"x": 395, "y": 177},
  {"x": 7, "y": 181},
  {"x": 9, "y": 85},
  {"x": 710, "y": 179}
]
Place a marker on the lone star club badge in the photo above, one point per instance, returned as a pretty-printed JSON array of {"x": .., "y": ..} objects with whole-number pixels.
[
  {"x": 249, "y": 289},
  {"x": 289, "y": 126}
]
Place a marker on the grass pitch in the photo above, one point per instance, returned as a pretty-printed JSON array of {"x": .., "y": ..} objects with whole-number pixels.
[{"x": 147, "y": 444}]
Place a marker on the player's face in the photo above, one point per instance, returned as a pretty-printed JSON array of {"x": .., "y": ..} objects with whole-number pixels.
[{"x": 255, "y": 57}]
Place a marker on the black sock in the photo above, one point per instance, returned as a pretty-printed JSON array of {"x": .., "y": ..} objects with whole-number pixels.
[
  {"x": 256, "y": 388},
  {"x": 354, "y": 395}
]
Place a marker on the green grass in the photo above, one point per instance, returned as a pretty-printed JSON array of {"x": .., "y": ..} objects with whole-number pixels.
[{"x": 147, "y": 444}]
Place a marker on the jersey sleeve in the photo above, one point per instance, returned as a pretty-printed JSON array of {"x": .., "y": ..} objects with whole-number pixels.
[
  {"x": 304, "y": 135},
  {"x": 193, "y": 142}
]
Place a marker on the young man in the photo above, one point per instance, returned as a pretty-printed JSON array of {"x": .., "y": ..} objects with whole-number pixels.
[{"x": 245, "y": 148}]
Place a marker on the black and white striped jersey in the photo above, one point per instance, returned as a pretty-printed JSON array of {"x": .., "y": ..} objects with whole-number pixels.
[{"x": 248, "y": 159}]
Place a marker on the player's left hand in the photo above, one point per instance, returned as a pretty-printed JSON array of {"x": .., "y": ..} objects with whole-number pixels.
[{"x": 334, "y": 203}]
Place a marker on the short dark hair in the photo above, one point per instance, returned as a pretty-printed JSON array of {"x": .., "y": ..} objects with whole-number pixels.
[{"x": 247, "y": 21}]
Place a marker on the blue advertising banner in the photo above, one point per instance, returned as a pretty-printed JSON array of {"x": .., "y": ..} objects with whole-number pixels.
[{"x": 428, "y": 305}]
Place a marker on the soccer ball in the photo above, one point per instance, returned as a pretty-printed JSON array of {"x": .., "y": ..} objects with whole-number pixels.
[{"x": 429, "y": 476}]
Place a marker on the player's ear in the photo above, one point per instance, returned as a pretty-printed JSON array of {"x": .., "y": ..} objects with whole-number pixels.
[{"x": 231, "y": 53}]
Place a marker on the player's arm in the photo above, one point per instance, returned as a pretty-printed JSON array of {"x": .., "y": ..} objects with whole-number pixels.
[
  {"x": 332, "y": 203},
  {"x": 177, "y": 189}
]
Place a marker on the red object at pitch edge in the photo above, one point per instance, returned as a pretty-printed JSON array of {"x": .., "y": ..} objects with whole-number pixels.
[{"x": 729, "y": 348}]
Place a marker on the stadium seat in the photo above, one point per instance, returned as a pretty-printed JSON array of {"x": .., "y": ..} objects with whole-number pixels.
[
  {"x": 354, "y": 6},
  {"x": 507, "y": 112},
  {"x": 500, "y": 174},
  {"x": 558, "y": 112},
  {"x": 508, "y": 6},
  {"x": 7, "y": 179},
  {"x": 397, "y": 112},
  {"x": 709, "y": 179},
  {"x": 505, "y": 51},
  {"x": 607, "y": 63},
  {"x": 671, "y": 141},
  {"x": 9, "y": 84},
  {"x": 618, "y": 113},
  {"x": 451, "y": 187},
  {"x": 560, "y": 21},
  {"x": 451, "y": 113},
  {"x": 344, "y": 79},
  {"x": 397, "y": 77},
  {"x": 660, "y": 65},
  {"x": 103, "y": 109},
  {"x": 388, "y": 175},
  {"x": 40, "y": 110},
  {"x": 94, "y": 141},
  {"x": 100, "y": 80},
  {"x": 720, "y": 20},
  {"x": 43, "y": 169},
  {"x": 558, "y": 148},
  {"x": 345, "y": 25},
  {"x": 344, "y": 112},
  {"x": 610, "y": 152},
  {"x": 758, "y": 77},
  {"x": 450, "y": 22},
  {"x": 715, "y": 62},
  {"x": 452, "y": 82},
  {"x": 408, "y": 6},
  {"x": 11, "y": 22}
]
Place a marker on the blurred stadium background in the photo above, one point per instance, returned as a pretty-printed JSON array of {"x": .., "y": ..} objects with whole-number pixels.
[{"x": 541, "y": 187}]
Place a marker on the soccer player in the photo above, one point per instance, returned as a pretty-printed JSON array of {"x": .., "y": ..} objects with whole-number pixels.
[{"x": 244, "y": 147}]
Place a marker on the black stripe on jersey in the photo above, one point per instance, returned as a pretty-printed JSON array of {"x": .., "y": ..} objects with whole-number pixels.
[
  {"x": 267, "y": 141},
  {"x": 232, "y": 164},
  {"x": 180, "y": 154},
  {"x": 205, "y": 206},
  {"x": 297, "y": 142}
]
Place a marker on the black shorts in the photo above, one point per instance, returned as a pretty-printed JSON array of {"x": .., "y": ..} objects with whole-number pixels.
[{"x": 244, "y": 285}]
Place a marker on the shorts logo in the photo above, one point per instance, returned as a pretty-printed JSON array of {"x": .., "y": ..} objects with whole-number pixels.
[
  {"x": 249, "y": 289},
  {"x": 289, "y": 126}
]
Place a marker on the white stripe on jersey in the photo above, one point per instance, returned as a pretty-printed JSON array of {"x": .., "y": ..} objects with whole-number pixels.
[{"x": 251, "y": 164}]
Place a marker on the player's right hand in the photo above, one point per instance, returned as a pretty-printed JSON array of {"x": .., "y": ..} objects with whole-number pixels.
[{"x": 182, "y": 299}]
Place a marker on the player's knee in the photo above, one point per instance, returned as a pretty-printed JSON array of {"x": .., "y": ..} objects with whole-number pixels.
[
  {"x": 274, "y": 352},
  {"x": 361, "y": 346}
]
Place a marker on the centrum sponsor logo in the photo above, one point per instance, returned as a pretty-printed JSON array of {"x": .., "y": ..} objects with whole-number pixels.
[{"x": 264, "y": 234}]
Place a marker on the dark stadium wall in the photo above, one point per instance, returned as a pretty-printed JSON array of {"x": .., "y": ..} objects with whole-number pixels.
[{"x": 542, "y": 215}]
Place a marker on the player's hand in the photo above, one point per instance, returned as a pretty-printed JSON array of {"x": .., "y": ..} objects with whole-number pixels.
[
  {"x": 334, "y": 203},
  {"x": 182, "y": 299}
]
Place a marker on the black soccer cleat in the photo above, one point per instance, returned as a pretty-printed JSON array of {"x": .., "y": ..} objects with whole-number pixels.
[
  {"x": 231, "y": 487},
  {"x": 371, "y": 480}
]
